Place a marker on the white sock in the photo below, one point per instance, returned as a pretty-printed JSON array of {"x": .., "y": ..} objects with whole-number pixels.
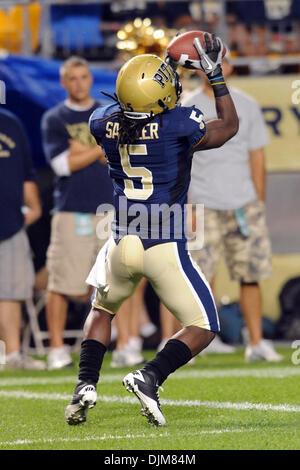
[
  {"x": 135, "y": 343},
  {"x": 64, "y": 349}
]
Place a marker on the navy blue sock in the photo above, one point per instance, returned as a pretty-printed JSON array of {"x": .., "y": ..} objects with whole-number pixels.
[
  {"x": 174, "y": 355},
  {"x": 91, "y": 358}
]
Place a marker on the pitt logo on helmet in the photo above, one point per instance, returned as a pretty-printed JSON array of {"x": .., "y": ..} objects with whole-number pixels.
[{"x": 164, "y": 74}]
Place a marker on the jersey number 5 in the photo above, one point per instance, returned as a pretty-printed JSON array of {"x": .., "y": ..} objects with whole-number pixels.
[
  {"x": 197, "y": 118},
  {"x": 135, "y": 172}
]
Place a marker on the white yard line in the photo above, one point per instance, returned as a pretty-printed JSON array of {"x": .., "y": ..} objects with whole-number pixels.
[
  {"x": 270, "y": 372},
  {"x": 24, "y": 381},
  {"x": 233, "y": 406},
  {"x": 80, "y": 439},
  {"x": 131, "y": 400},
  {"x": 266, "y": 372},
  {"x": 109, "y": 437},
  {"x": 34, "y": 395}
]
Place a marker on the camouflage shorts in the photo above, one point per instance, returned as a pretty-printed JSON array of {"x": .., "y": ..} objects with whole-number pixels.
[{"x": 248, "y": 256}]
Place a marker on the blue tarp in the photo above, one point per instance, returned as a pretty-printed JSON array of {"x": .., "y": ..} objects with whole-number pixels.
[{"x": 33, "y": 86}]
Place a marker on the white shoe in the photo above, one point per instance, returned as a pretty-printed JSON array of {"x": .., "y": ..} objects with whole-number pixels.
[
  {"x": 263, "y": 351},
  {"x": 58, "y": 358},
  {"x": 143, "y": 384},
  {"x": 147, "y": 329},
  {"x": 126, "y": 357},
  {"x": 84, "y": 398},
  {"x": 23, "y": 362},
  {"x": 218, "y": 347}
]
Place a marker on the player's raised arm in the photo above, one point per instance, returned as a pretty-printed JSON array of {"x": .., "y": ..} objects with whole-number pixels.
[
  {"x": 226, "y": 126},
  {"x": 208, "y": 58}
]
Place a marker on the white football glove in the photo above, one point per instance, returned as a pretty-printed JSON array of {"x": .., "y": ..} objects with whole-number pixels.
[{"x": 211, "y": 58}]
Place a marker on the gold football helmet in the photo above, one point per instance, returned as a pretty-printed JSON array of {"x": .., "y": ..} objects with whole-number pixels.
[{"x": 147, "y": 83}]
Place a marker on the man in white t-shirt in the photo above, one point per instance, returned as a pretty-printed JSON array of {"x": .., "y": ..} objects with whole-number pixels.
[{"x": 230, "y": 182}]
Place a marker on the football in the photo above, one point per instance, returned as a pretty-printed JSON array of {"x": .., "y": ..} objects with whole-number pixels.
[{"x": 182, "y": 50}]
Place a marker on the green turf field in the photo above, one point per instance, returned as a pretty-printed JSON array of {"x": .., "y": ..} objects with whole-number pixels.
[{"x": 218, "y": 403}]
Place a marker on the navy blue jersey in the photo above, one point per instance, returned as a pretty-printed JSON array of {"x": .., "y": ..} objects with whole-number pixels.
[
  {"x": 15, "y": 168},
  {"x": 154, "y": 172},
  {"x": 85, "y": 189}
]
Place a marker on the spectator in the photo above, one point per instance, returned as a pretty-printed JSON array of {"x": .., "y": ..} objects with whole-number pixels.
[
  {"x": 82, "y": 184},
  {"x": 17, "y": 190},
  {"x": 230, "y": 182}
]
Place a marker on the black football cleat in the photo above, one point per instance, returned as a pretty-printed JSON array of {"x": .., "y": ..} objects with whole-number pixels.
[
  {"x": 85, "y": 397},
  {"x": 144, "y": 385}
]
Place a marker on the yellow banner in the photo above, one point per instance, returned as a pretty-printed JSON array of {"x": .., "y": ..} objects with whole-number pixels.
[{"x": 279, "y": 99}]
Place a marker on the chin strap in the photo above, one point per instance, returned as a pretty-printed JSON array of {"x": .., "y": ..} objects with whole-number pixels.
[{"x": 134, "y": 115}]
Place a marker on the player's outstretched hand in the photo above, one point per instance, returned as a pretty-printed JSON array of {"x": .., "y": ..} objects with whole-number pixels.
[{"x": 210, "y": 55}]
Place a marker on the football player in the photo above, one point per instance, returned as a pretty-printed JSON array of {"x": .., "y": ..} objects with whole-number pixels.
[{"x": 149, "y": 142}]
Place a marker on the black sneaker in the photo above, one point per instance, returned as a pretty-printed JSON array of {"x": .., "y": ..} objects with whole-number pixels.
[
  {"x": 144, "y": 385},
  {"x": 85, "y": 397}
]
